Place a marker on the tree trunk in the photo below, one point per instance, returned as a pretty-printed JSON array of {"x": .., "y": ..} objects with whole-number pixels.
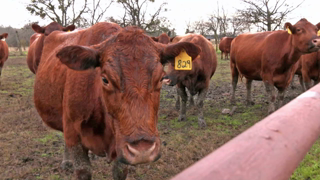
[{"x": 19, "y": 43}]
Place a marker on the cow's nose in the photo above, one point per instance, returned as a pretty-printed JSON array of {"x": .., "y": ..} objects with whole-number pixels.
[
  {"x": 316, "y": 42},
  {"x": 141, "y": 151}
]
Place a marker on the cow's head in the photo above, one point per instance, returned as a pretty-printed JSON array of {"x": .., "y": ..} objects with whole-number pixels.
[
  {"x": 3, "y": 36},
  {"x": 304, "y": 36},
  {"x": 54, "y": 26},
  {"x": 163, "y": 38},
  {"x": 131, "y": 66}
]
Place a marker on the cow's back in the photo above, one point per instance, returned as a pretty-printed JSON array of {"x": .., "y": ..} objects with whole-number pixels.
[
  {"x": 4, "y": 52},
  {"x": 246, "y": 53},
  {"x": 35, "y": 51}
]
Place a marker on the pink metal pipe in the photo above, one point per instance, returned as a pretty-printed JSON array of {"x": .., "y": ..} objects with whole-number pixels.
[{"x": 270, "y": 150}]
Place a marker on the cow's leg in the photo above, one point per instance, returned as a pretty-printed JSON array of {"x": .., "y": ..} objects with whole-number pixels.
[
  {"x": 315, "y": 82},
  {"x": 201, "y": 98},
  {"x": 281, "y": 94},
  {"x": 226, "y": 56},
  {"x": 1, "y": 65},
  {"x": 66, "y": 162},
  {"x": 81, "y": 162},
  {"x": 178, "y": 100},
  {"x": 119, "y": 171},
  {"x": 79, "y": 154},
  {"x": 306, "y": 80},
  {"x": 183, "y": 101},
  {"x": 301, "y": 83},
  {"x": 248, "y": 85},
  {"x": 292, "y": 83},
  {"x": 271, "y": 92},
  {"x": 0, "y": 74},
  {"x": 234, "y": 74},
  {"x": 191, "y": 101},
  {"x": 221, "y": 55}
]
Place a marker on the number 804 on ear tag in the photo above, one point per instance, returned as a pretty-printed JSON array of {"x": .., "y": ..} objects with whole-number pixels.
[{"x": 183, "y": 61}]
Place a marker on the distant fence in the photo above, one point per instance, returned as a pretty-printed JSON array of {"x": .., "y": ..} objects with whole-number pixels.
[{"x": 270, "y": 150}]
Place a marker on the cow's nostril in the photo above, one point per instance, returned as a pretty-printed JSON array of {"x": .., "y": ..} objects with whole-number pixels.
[
  {"x": 315, "y": 40},
  {"x": 135, "y": 151}
]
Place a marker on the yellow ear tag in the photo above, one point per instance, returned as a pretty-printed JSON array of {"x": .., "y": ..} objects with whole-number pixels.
[
  {"x": 319, "y": 33},
  {"x": 183, "y": 61},
  {"x": 68, "y": 30},
  {"x": 3, "y": 39},
  {"x": 289, "y": 31}
]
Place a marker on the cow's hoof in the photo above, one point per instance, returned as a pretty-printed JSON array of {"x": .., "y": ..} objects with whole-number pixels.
[
  {"x": 202, "y": 123},
  {"x": 83, "y": 174},
  {"x": 66, "y": 165},
  {"x": 182, "y": 118}
]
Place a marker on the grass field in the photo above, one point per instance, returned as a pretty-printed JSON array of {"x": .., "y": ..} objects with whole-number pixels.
[{"x": 30, "y": 150}]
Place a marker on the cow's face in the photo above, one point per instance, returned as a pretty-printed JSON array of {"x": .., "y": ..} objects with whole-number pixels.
[
  {"x": 54, "y": 26},
  {"x": 163, "y": 38},
  {"x": 131, "y": 73},
  {"x": 3, "y": 36},
  {"x": 304, "y": 36}
]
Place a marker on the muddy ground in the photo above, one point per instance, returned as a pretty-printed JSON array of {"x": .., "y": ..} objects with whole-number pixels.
[{"x": 30, "y": 150}]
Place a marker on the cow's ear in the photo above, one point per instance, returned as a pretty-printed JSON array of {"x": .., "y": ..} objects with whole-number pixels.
[
  {"x": 37, "y": 28},
  {"x": 171, "y": 51},
  {"x": 79, "y": 57},
  {"x": 289, "y": 28},
  {"x": 4, "y": 35},
  {"x": 318, "y": 26},
  {"x": 156, "y": 39},
  {"x": 69, "y": 28}
]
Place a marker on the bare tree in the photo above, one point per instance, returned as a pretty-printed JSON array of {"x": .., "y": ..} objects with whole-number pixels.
[
  {"x": 223, "y": 21},
  {"x": 136, "y": 14},
  {"x": 200, "y": 27},
  {"x": 98, "y": 10},
  {"x": 239, "y": 25},
  {"x": 189, "y": 28},
  {"x": 213, "y": 25},
  {"x": 58, "y": 10},
  {"x": 267, "y": 15}
]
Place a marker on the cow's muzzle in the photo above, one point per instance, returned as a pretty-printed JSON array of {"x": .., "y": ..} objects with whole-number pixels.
[
  {"x": 140, "y": 152},
  {"x": 168, "y": 81},
  {"x": 315, "y": 45}
]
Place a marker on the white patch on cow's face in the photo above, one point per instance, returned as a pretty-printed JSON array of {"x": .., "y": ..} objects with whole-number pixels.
[{"x": 3, "y": 39}]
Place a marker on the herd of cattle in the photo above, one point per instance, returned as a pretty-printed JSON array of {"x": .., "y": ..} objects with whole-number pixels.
[{"x": 101, "y": 86}]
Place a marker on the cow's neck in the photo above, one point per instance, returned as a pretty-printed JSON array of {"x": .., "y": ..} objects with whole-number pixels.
[{"x": 293, "y": 54}]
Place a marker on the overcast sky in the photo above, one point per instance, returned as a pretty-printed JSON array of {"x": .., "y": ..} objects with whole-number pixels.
[{"x": 13, "y": 12}]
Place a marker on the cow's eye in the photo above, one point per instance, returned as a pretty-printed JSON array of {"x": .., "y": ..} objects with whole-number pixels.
[
  {"x": 105, "y": 80},
  {"x": 298, "y": 30}
]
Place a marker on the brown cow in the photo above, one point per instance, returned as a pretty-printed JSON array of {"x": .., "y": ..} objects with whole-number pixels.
[
  {"x": 4, "y": 51},
  {"x": 163, "y": 38},
  {"x": 225, "y": 46},
  {"x": 308, "y": 68},
  {"x": 270, "y": 57},
  {"x": 196, "y": 80},
  {"x": 104, "y": 97},
  {"x": 37, "y": 40}
]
